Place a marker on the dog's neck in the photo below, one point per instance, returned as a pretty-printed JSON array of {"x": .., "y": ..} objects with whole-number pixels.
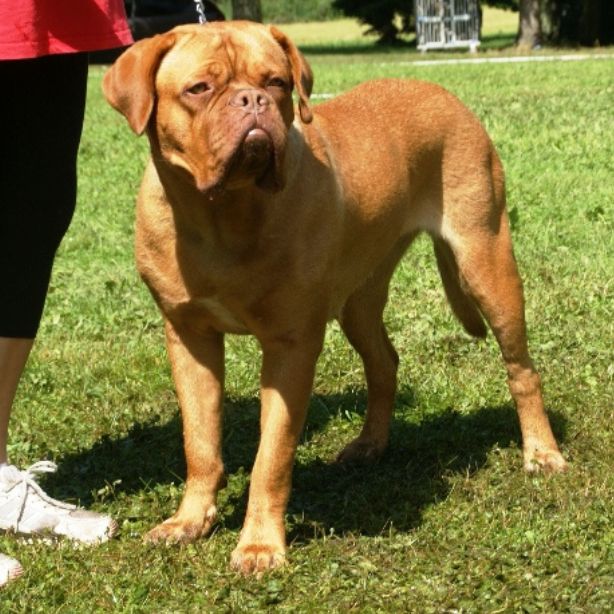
[
  {"x": 239, "y": 219},
  {"x": 233, "y": 219}
]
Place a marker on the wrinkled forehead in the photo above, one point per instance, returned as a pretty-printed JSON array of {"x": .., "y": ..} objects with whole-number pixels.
[{"x": 237, "y": 53}]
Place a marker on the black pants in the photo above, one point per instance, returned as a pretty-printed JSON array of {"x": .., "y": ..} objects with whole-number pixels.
[{"x": 42, "y": 103}]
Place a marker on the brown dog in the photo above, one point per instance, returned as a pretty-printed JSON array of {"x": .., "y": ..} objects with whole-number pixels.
[{"x": 250, "y": 221}]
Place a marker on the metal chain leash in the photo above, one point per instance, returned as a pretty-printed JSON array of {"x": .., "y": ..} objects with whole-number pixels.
[{"x": 200, "y": 9}]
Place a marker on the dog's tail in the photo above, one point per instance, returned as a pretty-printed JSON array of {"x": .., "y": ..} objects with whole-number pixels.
[{"x": 462, "y": 304}]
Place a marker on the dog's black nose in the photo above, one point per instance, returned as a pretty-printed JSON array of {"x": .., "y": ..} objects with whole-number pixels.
[{"x": 251, "y": 101}]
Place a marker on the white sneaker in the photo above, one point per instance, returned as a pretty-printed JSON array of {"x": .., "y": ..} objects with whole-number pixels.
[
  {"x": 26, "y": 508},
  {"x": 9, "y": 569}
]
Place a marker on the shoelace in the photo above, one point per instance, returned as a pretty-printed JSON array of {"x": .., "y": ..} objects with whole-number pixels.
[{"x": 28, "y": 481}]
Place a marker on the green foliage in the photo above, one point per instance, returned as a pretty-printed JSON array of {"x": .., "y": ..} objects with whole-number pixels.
[
  {"x": 446, "y": 521},
  {"x": 290, "y": 11},
  {"x": 511, "y": 5}
]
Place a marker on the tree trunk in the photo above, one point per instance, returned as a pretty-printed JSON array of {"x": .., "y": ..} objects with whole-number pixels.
[
  {"x": 529, "y": 26},
  {"x": 247, "y": 9}
]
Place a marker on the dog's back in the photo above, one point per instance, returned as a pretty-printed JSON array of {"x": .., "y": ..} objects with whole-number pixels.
[{"x": 418, "y": 157}]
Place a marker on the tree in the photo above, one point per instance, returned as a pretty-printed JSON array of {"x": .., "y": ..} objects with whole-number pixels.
[
  {"x": 381, "y": 15},
  {"x": 584, "y": 22},
  {"x": 247, "y": 9},
  {"x": 529, "y": 24}
]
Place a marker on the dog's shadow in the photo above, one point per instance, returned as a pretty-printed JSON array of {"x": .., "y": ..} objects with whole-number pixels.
[{"x": 326, "y": 496}]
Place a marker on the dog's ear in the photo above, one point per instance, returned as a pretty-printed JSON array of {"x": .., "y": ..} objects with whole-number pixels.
[
  {"x": 129, "y": 85},
  {"x": 301, "y": 73}
]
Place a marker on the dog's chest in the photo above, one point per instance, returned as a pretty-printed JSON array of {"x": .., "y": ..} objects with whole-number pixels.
[
  {"x": 221, "y": 317},
  {"x": 190, "y": 295},
  {"x": 200, "y": 306}
]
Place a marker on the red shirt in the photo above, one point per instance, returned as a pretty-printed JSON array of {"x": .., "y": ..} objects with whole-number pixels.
[{"x": 31, "y": 28}]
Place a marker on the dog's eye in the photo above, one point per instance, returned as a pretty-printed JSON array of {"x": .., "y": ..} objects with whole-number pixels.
[
  {"x": 277, "y": 82},
  {"x": 198, "y": 88}
]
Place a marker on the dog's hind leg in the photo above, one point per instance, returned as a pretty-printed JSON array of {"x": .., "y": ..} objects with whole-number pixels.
[
  {"x": 363, "y": 325},
  {"x": 482, "y": 247},
  {"x": 463, "y": 306}
]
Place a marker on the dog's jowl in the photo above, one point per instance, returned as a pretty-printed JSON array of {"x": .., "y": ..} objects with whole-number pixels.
[{"x": 257, "y": 218}]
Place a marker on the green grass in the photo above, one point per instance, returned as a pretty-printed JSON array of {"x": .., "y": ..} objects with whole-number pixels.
[{"x": 446, "y": 521}]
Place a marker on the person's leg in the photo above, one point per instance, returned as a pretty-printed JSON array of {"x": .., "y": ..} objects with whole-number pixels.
[
  {"x": 41, "y": 125},
  {"x": 14, "y": 353},
  {"x": 41, "y": 122}
]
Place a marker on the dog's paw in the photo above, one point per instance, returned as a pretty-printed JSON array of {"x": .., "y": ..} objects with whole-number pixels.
[
  {"x": 257, "y": 558},
  {"x": 545, "y": 461},
  {"x": 170, "y": 532},
  {"x": 361, "y": 450},
  {"x": 178, "y": 531}
]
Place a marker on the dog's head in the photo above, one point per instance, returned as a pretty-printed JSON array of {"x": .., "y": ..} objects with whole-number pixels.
[{"x": 216, "y": 100}]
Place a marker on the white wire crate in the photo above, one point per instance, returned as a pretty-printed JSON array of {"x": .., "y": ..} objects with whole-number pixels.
[{"x": 447, "y": 24}]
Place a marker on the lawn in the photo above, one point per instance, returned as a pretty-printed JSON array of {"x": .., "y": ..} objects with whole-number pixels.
[{"x": 446, "y": 521}]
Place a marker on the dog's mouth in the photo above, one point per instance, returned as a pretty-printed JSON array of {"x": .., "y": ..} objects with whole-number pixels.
[
  {"x": 252, "y": 156},
  {"x": 255, "y": 154},
  {"x": 256, "y": 159}
]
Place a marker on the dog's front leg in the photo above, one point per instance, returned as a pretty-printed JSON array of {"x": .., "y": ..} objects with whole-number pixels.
[
  {"x": 198, "y": 370},
  {"x": 287, "y": 378}
]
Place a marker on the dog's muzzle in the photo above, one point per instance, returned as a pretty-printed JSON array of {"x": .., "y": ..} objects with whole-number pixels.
[{"x": 250, "y": 101}]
